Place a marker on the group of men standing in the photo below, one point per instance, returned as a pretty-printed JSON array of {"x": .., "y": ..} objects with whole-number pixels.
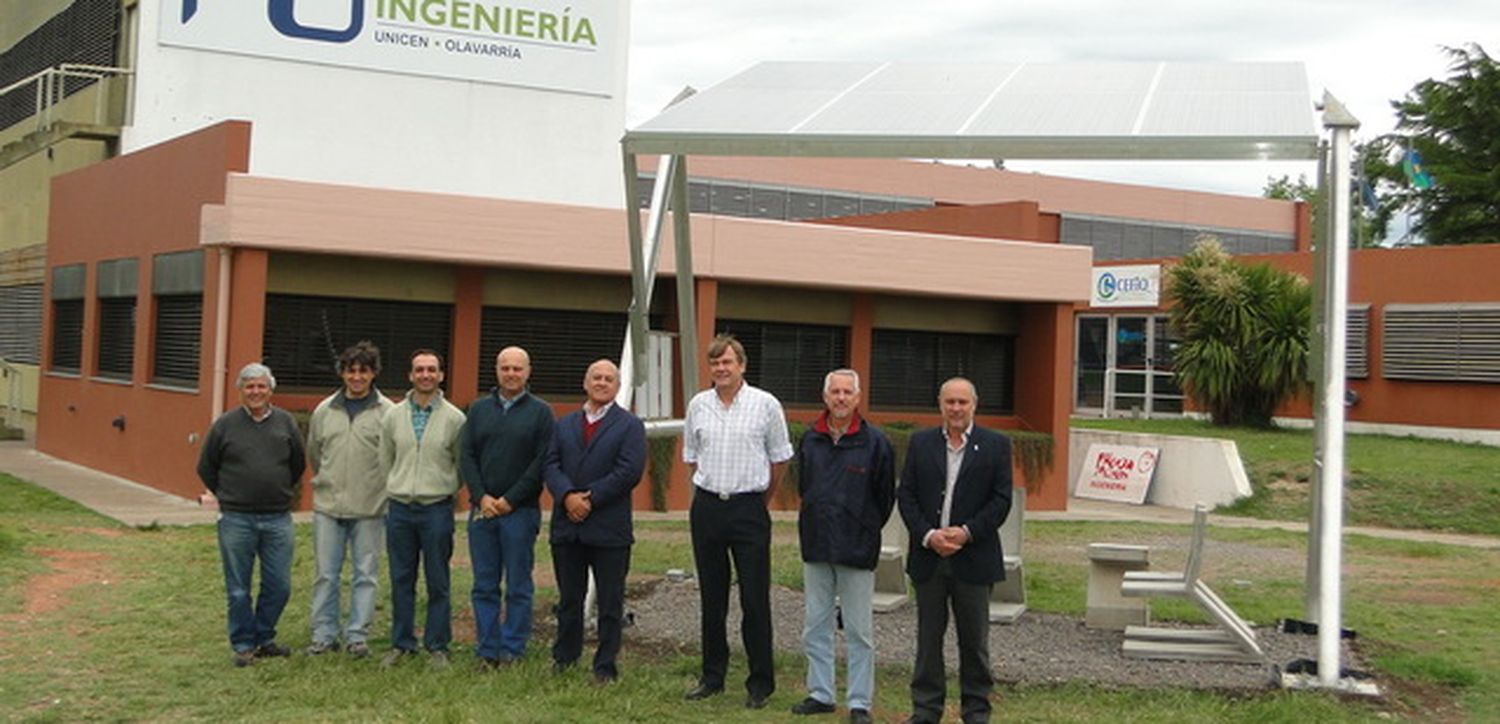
[
  {"x": 955, "y": 491},
  {"x": 387, "y": 474}
]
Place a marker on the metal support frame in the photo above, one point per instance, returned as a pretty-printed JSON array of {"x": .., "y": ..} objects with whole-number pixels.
[
  {"x": 1329, "y": 392},
  {"x": 670, "y": 191},
  {"x": 687, "y": 304}
]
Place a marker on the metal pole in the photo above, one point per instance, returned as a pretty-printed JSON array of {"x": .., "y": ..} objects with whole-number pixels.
[
  {"x": 1321, "y": 284},
  {"x": 632, "y": 357},
  {"x": 1331, "y": 473},
  {"x": 687, "y": 304}
]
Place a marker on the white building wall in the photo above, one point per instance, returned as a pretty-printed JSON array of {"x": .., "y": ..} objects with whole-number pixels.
[{"x": 347, "y": 125}]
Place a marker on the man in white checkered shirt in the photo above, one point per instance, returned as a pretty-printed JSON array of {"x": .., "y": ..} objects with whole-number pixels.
[{"x": 736, "y": 440}]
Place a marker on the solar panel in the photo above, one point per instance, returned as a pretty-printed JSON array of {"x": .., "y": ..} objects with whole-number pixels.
[{"x": 955, "y": 110}]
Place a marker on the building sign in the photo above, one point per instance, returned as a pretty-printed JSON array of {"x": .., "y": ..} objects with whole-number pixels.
[
  {"x": 1121, "y": 473},
  {"x": 1126, "y": 286},
  {"x": 566, "y": 45}
]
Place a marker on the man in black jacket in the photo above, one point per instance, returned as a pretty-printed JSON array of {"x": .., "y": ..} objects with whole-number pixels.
[
  {"x": 955, "y": 490},
  {"x": 252, "y": 462},
  {"x": 846, "y": 477},
  {"x": 598, "y": 455}
]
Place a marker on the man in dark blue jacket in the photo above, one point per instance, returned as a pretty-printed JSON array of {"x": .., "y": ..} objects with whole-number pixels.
[
  {"x": 955, "y": 490},
  {"x": 597, "y": 457},
  {"x": 846, "y": 477}
]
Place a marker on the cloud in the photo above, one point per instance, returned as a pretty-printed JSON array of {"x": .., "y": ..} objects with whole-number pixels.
[{"x": 1366, "y": 53}]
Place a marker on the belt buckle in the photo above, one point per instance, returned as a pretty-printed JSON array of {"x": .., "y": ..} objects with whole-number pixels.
[{"x": 724, "y": 496}]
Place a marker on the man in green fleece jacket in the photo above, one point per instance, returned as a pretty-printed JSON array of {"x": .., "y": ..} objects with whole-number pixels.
[
  {"x": 252, "y": 462},
  {"x": 419, "y": 452},
  {"x": 343, "y": 448},
  {"x": 503, "y": 447}
]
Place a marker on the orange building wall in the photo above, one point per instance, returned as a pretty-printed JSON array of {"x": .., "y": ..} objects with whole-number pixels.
[
  {"x": 106, "y": 211},
  {"x": 1422, "y": 275},
  {"x": 1415, "y": 275}
]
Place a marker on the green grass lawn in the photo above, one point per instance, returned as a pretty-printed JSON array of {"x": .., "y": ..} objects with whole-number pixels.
[
  {"x": 100, "y": 621},
  {"x": 1393, "y": 482}
]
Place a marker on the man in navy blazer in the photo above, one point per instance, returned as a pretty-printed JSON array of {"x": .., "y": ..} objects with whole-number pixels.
[
  {"x": 955, "y": 490},
  {"x": 598, "y": 455}
]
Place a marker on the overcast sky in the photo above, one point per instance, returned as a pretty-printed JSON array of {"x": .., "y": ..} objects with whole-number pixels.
[{"x": 1367, "y": 53}]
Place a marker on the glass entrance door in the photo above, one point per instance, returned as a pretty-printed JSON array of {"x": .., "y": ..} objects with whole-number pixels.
[{"x": 1124, "y": 366}]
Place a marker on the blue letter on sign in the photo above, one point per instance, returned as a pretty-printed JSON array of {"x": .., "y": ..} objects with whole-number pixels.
[{"x": 286, "y": 23}]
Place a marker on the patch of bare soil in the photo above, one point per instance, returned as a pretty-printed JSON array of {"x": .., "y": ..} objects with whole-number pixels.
[{"x": 70, "y": 570}]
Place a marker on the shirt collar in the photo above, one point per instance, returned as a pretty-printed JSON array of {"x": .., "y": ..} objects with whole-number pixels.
[
  {"x": 596, "y": 415},
  {"x": 822, "y": 426},
  {"x": 411, "y": 396},
  {"x": 967, "y": 431}
]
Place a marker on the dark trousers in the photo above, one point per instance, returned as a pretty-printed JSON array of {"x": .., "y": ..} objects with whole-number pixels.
[
  {"x": 739, "y": 527},
  {"x": 971, "y": 616},
  {"x": 417, "y": 534},
  {"x": 571, "y": 563}
]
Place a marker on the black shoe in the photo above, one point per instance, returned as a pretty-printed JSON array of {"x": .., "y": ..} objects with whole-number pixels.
[
  {"x": 244, "y": 658},
  {"x": 271, "y": 649},
  {"x": 812, "y": 706},
  {"x": 756, "y": 701},
  {"x": 604, "y": 679},
  {"x": 860, "y": 716},
  {"x": 559, "y": 667},
  {"x": 703, "y": 691}
]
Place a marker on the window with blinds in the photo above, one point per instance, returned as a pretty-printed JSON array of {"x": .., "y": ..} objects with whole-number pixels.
[
  {"x": 790, "y": 360},
  {"x": 67, "y": 335},
  {"x": 177, "y": 345},
  {"x": 907, "y": 367},
  {"x": 21, "y": 323},
  {"x": 1357, "y": 342},
  {"x": 304, "y": 336},
  {"x": 562, "y": 344},
  {"x": 1441, "y": 342},
  {"x": 116, "y": 353}
]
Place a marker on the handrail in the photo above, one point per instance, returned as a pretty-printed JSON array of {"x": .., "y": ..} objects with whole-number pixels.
[
  {"x": 9, "y": 372},
  {"x": 49, "y": 87}
]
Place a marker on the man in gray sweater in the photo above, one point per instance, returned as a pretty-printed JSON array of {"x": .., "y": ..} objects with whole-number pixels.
[{"x": 252, "y": 462}]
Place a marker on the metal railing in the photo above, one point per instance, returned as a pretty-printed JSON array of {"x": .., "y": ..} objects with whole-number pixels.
[
  {"x": 13, "y": 383},
  {"x": 50, "y": 88}
]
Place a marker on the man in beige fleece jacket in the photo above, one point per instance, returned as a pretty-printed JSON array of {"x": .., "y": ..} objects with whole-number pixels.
[{"x": 419, "y": 451}]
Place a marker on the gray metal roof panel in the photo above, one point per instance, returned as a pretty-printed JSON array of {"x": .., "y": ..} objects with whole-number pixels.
[{"x": 950, "y": 110}]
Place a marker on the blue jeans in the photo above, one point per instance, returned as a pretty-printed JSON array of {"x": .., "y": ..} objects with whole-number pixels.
[
  {"x": 242, "y": 538},
  {"x": 417, "y": 534},
  {"x": 362, "y": 539},
  {"x": 854, "y": 589},
  {"x": 502, "y": 549}
]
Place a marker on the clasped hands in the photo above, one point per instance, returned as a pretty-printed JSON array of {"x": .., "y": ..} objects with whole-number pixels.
[
  {"x": 579, "y": 503},
  {"x": 493, "y": 507},
  {"x": 947, "y": 541}
]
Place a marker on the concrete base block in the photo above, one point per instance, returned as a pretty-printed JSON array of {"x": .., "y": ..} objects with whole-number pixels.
[
  {"x": 1006, "y": 612},
  {"x": 1107, "y": 608},
  {"x": 1114, "y": 618}
]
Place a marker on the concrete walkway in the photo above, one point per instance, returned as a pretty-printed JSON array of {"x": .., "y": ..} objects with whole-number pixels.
[{"x": 137, "y": 505}]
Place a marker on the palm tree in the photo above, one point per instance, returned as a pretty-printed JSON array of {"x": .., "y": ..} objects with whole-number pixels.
[{"x": 1244, "y": 334}]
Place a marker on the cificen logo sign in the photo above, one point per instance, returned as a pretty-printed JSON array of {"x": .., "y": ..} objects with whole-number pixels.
[
  {"x": 1127, "y": 286},
  {"x": 549, "y": 44}
]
